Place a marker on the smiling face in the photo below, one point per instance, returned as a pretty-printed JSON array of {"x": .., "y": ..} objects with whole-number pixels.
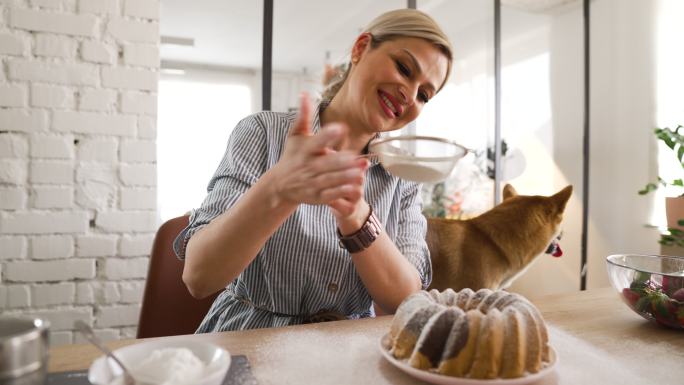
[{"x": 390, "y": 84}]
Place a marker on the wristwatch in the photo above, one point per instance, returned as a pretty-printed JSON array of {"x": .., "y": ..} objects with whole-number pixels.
[{"x": 363, "y": 238}]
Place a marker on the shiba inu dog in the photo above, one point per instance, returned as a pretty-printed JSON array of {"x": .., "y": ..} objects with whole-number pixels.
[{"x": 491, "y": 250}]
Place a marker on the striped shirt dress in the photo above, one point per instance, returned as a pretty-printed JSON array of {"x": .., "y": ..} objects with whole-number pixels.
[{"x": 301, "y": 270}]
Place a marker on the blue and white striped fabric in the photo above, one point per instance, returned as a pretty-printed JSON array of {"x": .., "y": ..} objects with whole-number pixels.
[{"x": 301, "y": 269}]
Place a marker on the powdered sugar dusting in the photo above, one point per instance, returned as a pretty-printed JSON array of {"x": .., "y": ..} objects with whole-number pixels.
[
  {"x": 583, "y": 363},
  {"x": 324, "y": 356}
]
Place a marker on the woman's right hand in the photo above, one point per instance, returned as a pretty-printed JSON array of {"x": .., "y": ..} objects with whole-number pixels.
[{"x": 311, "y": 170}]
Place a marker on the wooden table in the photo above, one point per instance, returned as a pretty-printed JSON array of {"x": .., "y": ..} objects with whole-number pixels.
[{"x": 598, "y": 340}]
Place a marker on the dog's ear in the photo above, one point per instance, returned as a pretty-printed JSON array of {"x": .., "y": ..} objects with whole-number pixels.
[
  {"x": 561, "y": 198},
  {"x": 509, "y": 192}
]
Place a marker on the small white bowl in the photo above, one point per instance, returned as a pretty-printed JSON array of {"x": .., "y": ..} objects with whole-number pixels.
[
  {"x": 103, "y": 370},
  {"x": 424, "y": 159}
]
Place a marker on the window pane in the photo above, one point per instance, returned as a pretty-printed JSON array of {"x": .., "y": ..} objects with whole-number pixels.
[
  {"x": 205, "y": 89},
  {"x": 464, "y": 110},
  {"x": 195, "y": 120},
  {"x": 542, "y": 124}
]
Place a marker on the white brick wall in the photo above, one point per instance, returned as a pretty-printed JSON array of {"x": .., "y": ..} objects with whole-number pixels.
[
  {"x": 97, "y": 150},
  {"x": 96, "y": 245},
  {"x": 144, "y": 55},
  {"x": 133, "y": 31},
  {"x": 112, "y": 316},
  {"x": 13, "y": 95},
  {"x": 139, "y": 103},
  {"x": 23, "y": 120},
  {"x": 148, "y": 9},
  {"x": 12, "y": 44},
  {"x": 78, "y": 81},
  {"x": 138, "y": 199},
  {"x": 96, "y": 52},
  {"x": 52, "y": 172},
  {"x": 135, "y": 245},
  {"x": 138, "y": 174},
  {"x": 51, "y": 4},
  {"x": 52, "y": 197},
  {"x": 53, "y": 294},
  {"x": 116, "y": 269},
  {"x": 55, "y": 46},
  {"x": 49, "y": 271},
  {"x": 43, "y": 95},
  {"x": 56, "y": 22},
  {"x": 52, "y": 146},
  {"x": 136, "y": 151},
  {"x": 110, "y": 7},
  {"x": 76, "y": 74},
  {"x": 98, "y": 99},
  {"x": 133, "y": 79},
  {"x": 12, "y": 247},
  {"x": 13, "y": 146},
  {"x": 92, "y": 123},
  {"x": 13, "y": 171},
  {"x": 52, "y": 247},
  {"x": 14, "y": 198}
]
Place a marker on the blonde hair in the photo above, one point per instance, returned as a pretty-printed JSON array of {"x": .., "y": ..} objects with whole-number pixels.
[{"x": 396, "y": 24}]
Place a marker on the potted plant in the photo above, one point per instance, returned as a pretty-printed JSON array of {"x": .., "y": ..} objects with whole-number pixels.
[{"x": 674, "y": 206}]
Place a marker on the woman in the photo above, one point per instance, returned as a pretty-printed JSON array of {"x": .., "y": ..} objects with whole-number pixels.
[{"x": 298, "y": 226}]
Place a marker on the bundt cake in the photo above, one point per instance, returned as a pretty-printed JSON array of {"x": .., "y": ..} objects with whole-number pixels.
[{"x": 485, "y": 334}]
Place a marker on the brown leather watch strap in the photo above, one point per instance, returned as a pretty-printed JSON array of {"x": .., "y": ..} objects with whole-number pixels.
[{"x": 364, "y": 237}]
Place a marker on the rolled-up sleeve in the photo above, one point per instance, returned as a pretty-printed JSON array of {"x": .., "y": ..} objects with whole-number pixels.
[
  {"x": 242, "y": 165},
  {"x": 411, "y": 232}
]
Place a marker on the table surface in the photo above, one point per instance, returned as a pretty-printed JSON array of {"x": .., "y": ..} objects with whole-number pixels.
[{"x": 599, "y": 340}]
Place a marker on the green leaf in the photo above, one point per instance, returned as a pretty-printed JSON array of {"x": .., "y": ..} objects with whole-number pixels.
[
  {"x": 675, "y": 232},
  {"x": 666, "y": 243},
  {"x": 677, "y": 182},
  {"x": 680, "y": 222},
  {"x": 648, "y": 188},
  {"x": 643, "y": 303},
  {"x": 667, "y": 238},
  {"x": 641, "y": 276},
  {"x": 669, "y": 142}
]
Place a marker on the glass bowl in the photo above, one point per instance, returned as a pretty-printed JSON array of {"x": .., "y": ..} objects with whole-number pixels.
[
  {"x": 651, "y": 285},
  {"x": 423, "y": 159}
]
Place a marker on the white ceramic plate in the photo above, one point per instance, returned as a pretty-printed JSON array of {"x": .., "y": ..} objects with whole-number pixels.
[
  {"x": 440, "y": 379},
  {"x": 216, "y": 359}
]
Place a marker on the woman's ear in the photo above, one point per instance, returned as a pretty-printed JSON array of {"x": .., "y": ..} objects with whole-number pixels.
[{"x": 361, "y": 44}]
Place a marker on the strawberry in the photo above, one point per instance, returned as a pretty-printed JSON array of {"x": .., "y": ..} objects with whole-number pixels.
[
  {"x": 630, "y": 296},
  {"x": 672, "y": 284},
  {"x": 678, "y": 295},
  {"x": 680, "y": 315}
]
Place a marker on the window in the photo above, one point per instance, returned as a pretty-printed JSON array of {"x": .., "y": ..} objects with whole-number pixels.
[
  {"x": 669, "y": 83},
  {"x": 195, "y": 121}
]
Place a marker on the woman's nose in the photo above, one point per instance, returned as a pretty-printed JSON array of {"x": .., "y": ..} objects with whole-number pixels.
[{"x": 408, "y": 96}]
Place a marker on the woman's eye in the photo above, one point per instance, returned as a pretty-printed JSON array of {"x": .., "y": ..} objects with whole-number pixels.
[
  {"x": 423, "y": 97},
  {"x": 403, "y": 69}
]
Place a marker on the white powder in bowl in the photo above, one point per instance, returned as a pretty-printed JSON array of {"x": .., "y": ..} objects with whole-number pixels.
[
  {"x": 169, "y": 366},
  {"x": 415, "y": 172}
]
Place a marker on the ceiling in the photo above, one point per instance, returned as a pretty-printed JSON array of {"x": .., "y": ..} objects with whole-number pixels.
[{"x": 229, "y": 33}]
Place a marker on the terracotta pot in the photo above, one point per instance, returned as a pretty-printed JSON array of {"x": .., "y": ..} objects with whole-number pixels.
[{"x": 674, "y": 210}]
